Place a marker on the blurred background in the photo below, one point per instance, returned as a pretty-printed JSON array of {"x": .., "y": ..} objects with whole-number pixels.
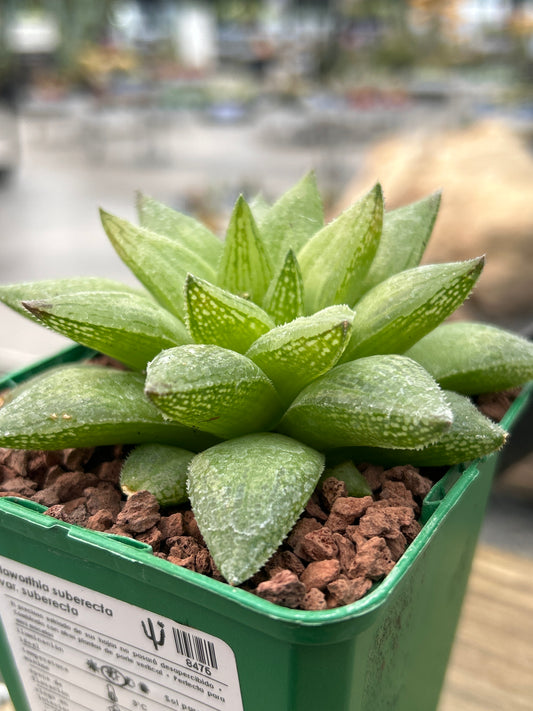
[{"x": 195, "y": 102}]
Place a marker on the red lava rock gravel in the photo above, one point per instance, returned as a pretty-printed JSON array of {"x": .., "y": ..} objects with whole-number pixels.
[{"x": 337, "y": 550}]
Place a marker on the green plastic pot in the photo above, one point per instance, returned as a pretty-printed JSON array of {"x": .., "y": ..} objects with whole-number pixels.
[{"x": 92, "y": 621}]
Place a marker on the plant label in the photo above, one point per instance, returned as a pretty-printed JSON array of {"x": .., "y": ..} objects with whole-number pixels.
[{"x": 76, "y": 649}]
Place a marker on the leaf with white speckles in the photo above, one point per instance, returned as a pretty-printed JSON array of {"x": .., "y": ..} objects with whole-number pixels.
[
  {"x": 474, "y": 358},
  {"x": 380, "y": 401},
  {"x": 185, "y": 230},
  {"x": 159, "y": 262},
  {"x": 245, "y": 268},
  {"x": 218, "y": 317},
  {"x": 87, "y": 405},
  {"x": 160, "y": 469},
  {"x": 212, "y": 389},
  {"x": 247, "y": 494},
  {"x": 293, "y": 219},
  {"x": 395, "y": 314},
  {"x": 336, "y": 259},
  {"x": 296, "y": 353},
  {"x": 12, "y": 295},
  {"x": 471, "y": 436},
  {"x": 130, "y": 327},
  {"x": 284, "y": 300},
  {"x": 406, "y": 232}
]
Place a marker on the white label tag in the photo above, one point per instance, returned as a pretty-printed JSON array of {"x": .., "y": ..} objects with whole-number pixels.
[{"x": 78, "y": 650}]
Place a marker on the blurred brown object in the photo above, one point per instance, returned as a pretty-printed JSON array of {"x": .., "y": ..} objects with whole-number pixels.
[{"x": 485, "y": 172}]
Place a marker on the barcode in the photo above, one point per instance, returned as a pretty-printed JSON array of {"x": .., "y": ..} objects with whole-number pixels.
[{"x": 197, "y": 648}]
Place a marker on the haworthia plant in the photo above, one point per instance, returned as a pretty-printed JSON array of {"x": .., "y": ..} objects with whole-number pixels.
[
  {"x": 296, "y": 353},
  {"x": 405, "y": 234},
  {"x": 244, "y": 510},
  {"x": 292, "y": 220},
  {"x": 13, "y": 295},
  {"x": 159, "y": 262},
  {"x": 284, "y": 299},
  {"x": 335, "y": 260},
  {"x": 346, "y": 471},
  {"x": 469, "y": 432},
  {"x": 160, "y": 468},
  {"x": 488, "y": 360},
  {"x": 217, "y": 316},
  {"x": 290, "y": 345},
  {"x": 89, "y": 405},
  {"x": 209, "y": 388},
  {"x": 129, "y": 327},
  {"x": 370, "y": 400},
  {"x": 396, "y": 313},
  {"x": 245, "y": 267},
  {"x": 183, "y": 229}
]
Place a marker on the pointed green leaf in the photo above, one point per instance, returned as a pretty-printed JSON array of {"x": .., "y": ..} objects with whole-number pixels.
[
  {"x": 295, "y": 354},
  {"x": 245, "y": 267},
  {"x": 159, "y": 262},
  {"x": 85, "y": 406},
  {"x": 129, "y": 327},
  {"x": 474, "y": 358},
  {"x": 395, "y": 314},
  {"x": 380, "y": 401},
  {"x": 247, "y": 494},
  {"x": 212, "y": 389},
  {"x": 293, "y": 219},
  {"x": 284, "y": 299},
  {"x": 13, "y": 295},
  {"x": 185, "y": 230},
  {"x": 216, "y": 316},
  {"x": 336, "y": 259},
  {"x": 160, "y": 469},
  {"x": 471, "y": 436},
  {"x": 406, "y": 232}
]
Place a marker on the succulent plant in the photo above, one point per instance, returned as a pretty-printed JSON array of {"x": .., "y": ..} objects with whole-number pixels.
[{"x": 251, "y": 359}]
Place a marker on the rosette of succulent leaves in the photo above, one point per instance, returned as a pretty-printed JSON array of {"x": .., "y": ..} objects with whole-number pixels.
[{"x": 253, "y": 361}]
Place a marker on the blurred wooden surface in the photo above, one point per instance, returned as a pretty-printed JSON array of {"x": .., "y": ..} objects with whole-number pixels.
[{"x": 491, "y": 668}]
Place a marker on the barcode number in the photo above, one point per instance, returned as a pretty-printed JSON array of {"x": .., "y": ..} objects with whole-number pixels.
[{"x": 197, "y": 648}]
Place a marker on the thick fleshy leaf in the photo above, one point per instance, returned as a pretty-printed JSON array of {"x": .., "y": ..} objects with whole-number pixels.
[
  {"x": 159, "y": 262},
  {"x": 212, "y": 389},
  {"x": 346, "y": 471},
  {"x": 474, "y": 358},
  {"x": 216, "y": 316},
  {"x": 247, "y": 494},
  {"x": 406, "y": 232},
  {"x": 284, "y": 300},
  {"x": 336, "y": 259},
  {"x": 13, "y": 295},
  {"x": 160, "y": 469},
  {"x": 129, "y": 327},
  {"x": 395, "y": 314},
  {"x": 471, "y": 436},
  {"x": 185, "y": 230},
  {"x": 295, "y": 354},
  {"x": 245, "y": 268},
  {"x": 380, "y": 401},
  {"x": 85, "y": 406},
  {"x": 293, "y": 219}
]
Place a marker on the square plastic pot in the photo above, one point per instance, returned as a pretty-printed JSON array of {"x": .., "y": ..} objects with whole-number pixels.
[{"x": 96, "y": 621}]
